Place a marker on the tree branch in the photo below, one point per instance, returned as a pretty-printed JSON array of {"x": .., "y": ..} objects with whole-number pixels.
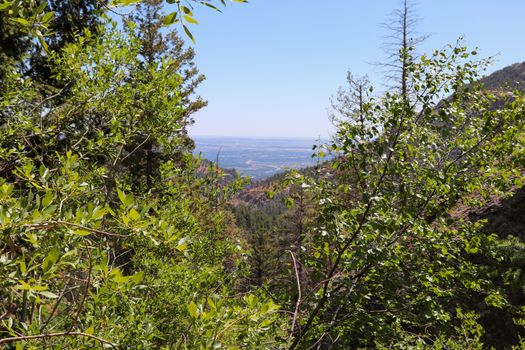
[
  {"x": 51, "y": 335},
  {"x": 51, "y": 224},
  {"x": 298, "y": 303}
]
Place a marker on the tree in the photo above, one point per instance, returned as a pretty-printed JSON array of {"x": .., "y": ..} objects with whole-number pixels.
[
  {"x": 89, "y": 259},
  {"x": 350, "y": 102},
  {"x": 62, "y": 21},
  {"x": 35, "y": 19},
  {"x": 400, "y": 45},
  {"x": 13, "y": 41},
  {"x": 395, "y": 261},
  {"x": 142, "y": 148},
  {"x": 70, "y": 19},
  {"x": 155, "y": 48}
]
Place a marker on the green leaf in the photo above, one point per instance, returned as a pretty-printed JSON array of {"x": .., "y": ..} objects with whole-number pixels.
[
  {"x": 5, "y": 5},
  {"x": 181, "y": 247},
  {"x": 288, "y": 201},
  {"x": 188, "y": 33},
  {"x": 129, "y": 199},
  {"x": 23, "y": 267},
  {"x": 37, "y": 215},
  {"x": 42, "y": 42},
  {"x": 126, "y": 199},
  {"x": 22, "y": 21},
  {"x": 42, "y": 7},
  {"x": 186, "y": 10},
  {"x": 116, "y": 276},
  {"x": 81, "y": 232},
  {"x": 6, "y": 189},
  {"x": 98, "y": 212},
  {"x": 51, "y": 259},
  {"x": 192, "y": 309},
  {"x": 190, "y": 19},
  {"x": 121, "y": 196},
  {"x": 211, "y": 303},
  {"x": 169, "y": 19},
  {"x": 133, "y": 214},
  {"x": 26, "y": 286},
  {"x": 47, "y": 199},
  {"x": 125, "y": 2},
  {"x": 210, "y": 6},
  {"x": 138, "y": 277},
  {"x": 48, "y": 294},
  {"x": 48, "y": 16}
]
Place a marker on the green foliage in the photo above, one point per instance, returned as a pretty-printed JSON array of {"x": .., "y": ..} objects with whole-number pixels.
[
  {"x": 36, "y": 19},
  {"x": 467, "y": 336},
  {"x": 388, "y": 252},
  {"x": 91, "y": 253},
  {"x": 32, "y": 17},
  {"x": 114, "y": 235}
]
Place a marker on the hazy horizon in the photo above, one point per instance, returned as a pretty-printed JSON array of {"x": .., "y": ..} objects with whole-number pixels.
[
  {"x": 257, "y": 157},
  {"x": 270, "y": 137}
]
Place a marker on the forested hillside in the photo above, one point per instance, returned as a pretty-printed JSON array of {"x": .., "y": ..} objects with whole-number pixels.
[
  {"x": 114, "y": 235},
  {"x": 506, "y": 79}
]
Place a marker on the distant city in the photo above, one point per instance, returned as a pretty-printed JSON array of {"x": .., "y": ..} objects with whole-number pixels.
[{"x": 258, "y": 158}]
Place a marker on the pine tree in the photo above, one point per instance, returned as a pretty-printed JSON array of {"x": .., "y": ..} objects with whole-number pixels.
[{"x": 156, "y": 47}]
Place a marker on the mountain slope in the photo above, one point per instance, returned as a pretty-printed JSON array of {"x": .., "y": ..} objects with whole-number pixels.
[{"x": 508, "y": 78}]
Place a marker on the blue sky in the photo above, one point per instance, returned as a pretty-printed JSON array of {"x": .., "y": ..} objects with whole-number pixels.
[{"x": 272, "y": 65}]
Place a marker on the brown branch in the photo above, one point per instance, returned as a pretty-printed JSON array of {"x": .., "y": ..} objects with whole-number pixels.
[
  {"x": 55, "y": 306},
  {"x": 133, "y": 151},
  {"x": 51, "y": 224},
  {"x": 50, "y": 97},
  {"x": 298, "y": 303},
  {"x": 51, "y": 335},
  {"x": 84, "y": 296}
]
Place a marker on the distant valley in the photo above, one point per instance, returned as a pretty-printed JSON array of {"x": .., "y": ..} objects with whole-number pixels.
[{"x": 258, "y": 158}]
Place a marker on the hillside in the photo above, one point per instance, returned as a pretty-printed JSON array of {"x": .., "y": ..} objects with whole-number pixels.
[
  {"x": 508, "y": 78},
  {"x": 255, "y": 193}
]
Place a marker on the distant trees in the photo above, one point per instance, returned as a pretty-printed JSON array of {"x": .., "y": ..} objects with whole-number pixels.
[
  {"x": 351, "y": 101},
  {"x": 267, "y": 247}
]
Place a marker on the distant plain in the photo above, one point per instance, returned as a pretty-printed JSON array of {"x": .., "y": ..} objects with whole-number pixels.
[{"x": 258, "y": 158}]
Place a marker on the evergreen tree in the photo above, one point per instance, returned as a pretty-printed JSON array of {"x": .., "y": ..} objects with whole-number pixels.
[
  {"x": 155, "y": 48},
  {"x": 87, "y": 258},
  {"x": 70, "y": 19}
]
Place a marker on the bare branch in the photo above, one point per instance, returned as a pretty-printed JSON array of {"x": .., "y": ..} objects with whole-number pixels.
[
  {"x": 51, "y": 335},
  {"x": 299, "y": 297},
  {"x": 52, "y": 224}
]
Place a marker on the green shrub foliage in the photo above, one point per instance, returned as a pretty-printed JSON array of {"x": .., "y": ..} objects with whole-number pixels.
[
  {"x": 391, "y": 251},
  {"x": 114, "y": 235},
  {"x": 91, "y": 252}
]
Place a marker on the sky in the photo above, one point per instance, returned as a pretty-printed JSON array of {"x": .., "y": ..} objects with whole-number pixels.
[{"x": 272, "y": 65}]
